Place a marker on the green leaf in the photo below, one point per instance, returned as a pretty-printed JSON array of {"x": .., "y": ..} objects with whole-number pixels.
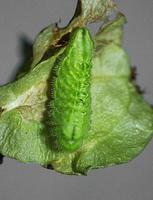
[
  {"x": 42, "y": 43},
  {"x": 111, "y": 31},
  {"x": 121, "y": 121},
  {"x": 87, "y": 11}
]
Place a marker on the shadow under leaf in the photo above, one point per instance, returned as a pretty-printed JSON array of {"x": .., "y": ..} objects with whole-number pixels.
[{"x": 1, "y": 159}]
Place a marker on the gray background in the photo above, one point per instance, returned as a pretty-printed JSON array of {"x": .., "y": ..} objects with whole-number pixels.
[{"x": 133, "y": 181}]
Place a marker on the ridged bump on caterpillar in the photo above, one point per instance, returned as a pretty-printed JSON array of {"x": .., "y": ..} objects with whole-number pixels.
[{"x": 70, "y": 105}]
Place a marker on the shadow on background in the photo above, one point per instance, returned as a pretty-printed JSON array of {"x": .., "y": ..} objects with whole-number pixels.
[{"x": 25, "y": 54}]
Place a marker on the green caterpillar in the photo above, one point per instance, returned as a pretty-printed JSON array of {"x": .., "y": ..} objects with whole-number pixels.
[{"x": 70, "y": 105}]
